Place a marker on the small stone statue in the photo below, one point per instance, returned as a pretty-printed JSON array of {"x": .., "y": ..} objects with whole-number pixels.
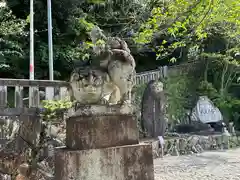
[
  {"x": 110, "y": 81},
  {"x": 231, "y": 128},
  {"x": 175, "y": 148},
  {"x": 225, "y": 138},
  {"x": 23, "y": 172}
]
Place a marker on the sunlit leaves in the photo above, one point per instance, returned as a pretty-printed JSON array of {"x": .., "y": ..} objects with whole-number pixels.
[
  {"x": 9, "y": 24},
  {"x": 53, "y": 109},
  {"x": 86, "y": 25},
  {"x": 186, "y": 19},
  {"x": 96, "y": 1},
  {"x": 144, "y": 36},
  {"x": 10, "y": 29}
]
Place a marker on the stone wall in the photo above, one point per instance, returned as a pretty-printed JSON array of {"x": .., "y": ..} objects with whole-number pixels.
[{"x": 189, "y": 144}]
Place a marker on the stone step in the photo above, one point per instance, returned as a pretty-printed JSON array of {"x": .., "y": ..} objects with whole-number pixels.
[
  {"x": 132, "y": 162},
  {"x": 101, "y": 131}
]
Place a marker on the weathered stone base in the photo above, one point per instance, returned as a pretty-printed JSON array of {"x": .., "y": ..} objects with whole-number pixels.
[
  {"x": 104, "y": 109},
  {"x": 101, "y": 131},
  {"x": 132, "y": 162}
]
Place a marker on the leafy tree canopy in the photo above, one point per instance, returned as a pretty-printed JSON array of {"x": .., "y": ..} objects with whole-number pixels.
[
  {"x": 183, "y": 22},
  {"x": 11, "y": 33}
]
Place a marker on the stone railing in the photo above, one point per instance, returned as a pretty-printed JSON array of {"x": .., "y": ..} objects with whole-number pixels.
[
  {"x": 34, "y": 90},
  {"x": 145, "y": 77},
  {"x": 17, "y": 94}
]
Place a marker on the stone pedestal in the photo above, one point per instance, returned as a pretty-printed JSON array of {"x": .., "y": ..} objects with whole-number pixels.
[
  {"x": 100, "y": 131},
  {"x": 103, "y": 146},
  {"x": 132, "y": 162}
]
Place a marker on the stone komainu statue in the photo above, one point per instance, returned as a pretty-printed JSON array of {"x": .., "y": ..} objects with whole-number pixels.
[
  {"x": 110, "y": 81},
  {"x": 153, "y": 110}
]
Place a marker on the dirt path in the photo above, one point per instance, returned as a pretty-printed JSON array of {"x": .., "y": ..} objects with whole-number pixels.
[{"x": 217, "y": 165}]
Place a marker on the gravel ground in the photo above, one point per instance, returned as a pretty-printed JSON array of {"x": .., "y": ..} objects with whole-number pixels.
[{"x": 215, "y": 165}]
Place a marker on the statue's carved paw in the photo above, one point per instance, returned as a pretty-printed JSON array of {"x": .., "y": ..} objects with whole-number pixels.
[
  {"x": 77, "y": 105},
  {"x": 125, "y": 99},
  {"x": 104, "y": 101},
  {"x": 119, "y": 102}
]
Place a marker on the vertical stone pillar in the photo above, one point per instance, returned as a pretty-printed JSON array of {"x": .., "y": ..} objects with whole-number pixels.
[{"x": 103, "y": 146}]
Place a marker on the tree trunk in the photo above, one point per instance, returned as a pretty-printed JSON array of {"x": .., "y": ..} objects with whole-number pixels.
[{"x": 206, "y": 71}]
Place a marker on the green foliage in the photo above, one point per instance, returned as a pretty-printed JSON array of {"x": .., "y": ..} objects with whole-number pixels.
[
  {"x": 221, "y": 73},
  {"x": 54, "y": 109},
  {"x": 206, "y": 89},
  {"x": 139, "y": 90},
  {"x": 179, "y": 23},
  {"x": 86, "y": 25},
  {"x": 236, "y": 112},
  {"x": 138, "y": 95},
  {"x": 168, "y": 25},
  {"x": 11, "y": 30},
  {"x": 72, "y": 21},
  {"x": 228, "y": 105},
  {"x": 177, "y": 88}
]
